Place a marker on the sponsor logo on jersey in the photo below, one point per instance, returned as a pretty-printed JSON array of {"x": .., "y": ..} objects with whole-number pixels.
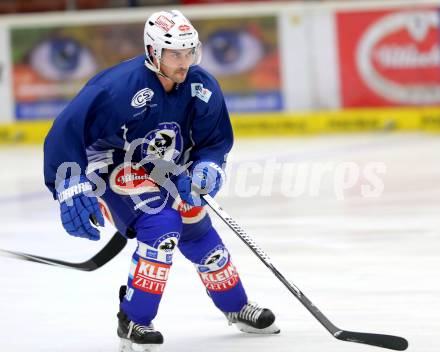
[
  {"x": 165, "y": 23},
  {"x": 220, "y": 280},
  {"x": 150, "y": 277},
  {"x": 127, "y": 179},
  {"x": 198, "y": 91},
  {"x": 141, "y": 98}
]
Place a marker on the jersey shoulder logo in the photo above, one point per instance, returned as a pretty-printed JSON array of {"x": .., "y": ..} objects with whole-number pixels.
[
  {"x": 141, "y": 98},
  {"x": 198, "y": 91}
]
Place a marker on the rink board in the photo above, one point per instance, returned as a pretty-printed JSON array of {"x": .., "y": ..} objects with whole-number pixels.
[{"x": 281, "y": 124}]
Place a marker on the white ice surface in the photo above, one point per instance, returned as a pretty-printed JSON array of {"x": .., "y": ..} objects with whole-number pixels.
[{"x": 370, "y": 264}]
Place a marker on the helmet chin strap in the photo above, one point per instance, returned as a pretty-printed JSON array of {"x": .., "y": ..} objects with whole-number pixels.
[{"x": 157, "y": 70}]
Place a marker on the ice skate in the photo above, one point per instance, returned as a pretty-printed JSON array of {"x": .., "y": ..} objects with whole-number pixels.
[
  {"x": 253, "y": 319},
  {"x": 137, "y": 337}
]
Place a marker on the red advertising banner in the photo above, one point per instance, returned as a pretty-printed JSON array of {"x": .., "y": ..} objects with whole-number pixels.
[{"x": 389, "y": 58}]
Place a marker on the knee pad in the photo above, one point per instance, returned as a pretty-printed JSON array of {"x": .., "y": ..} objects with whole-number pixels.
[
  {"x": 158, "y": 237},
  {"x": 161, "y": 250},
  {"x": 151, "y": 228}
]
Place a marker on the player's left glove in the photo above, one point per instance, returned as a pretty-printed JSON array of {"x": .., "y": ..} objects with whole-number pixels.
[{"x": 206, "y": 178}]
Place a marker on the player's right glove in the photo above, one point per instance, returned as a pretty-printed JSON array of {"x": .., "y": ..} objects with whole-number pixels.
[
  {"x": 206, "y": 178},
  {"x": 78, "y": 207}
]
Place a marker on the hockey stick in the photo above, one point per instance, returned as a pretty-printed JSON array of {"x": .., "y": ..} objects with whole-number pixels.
[
  {"x": 379, "y": 340},
  {"x": 108, "y": 252}
]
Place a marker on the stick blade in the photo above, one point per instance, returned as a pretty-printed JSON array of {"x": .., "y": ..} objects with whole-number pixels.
[
  {"x": 85, "y": 266},
  {"x": 109, "y": 251},
  {"x": 386, "y": 341}
]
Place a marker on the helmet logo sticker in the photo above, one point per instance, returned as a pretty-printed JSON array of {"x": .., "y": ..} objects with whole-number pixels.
[
  {"x": 164, "y": 23},
  {"x": 184, "y": 28}
]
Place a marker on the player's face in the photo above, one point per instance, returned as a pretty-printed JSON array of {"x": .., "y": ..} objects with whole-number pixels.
[{"x": 175, "y": 63}]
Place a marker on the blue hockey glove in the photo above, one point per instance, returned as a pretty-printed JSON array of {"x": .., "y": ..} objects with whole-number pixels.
[
  {"x": 207, "y": 178},
  {"x": 183, "y": 185},
  {"x": 78, "y": 208}
]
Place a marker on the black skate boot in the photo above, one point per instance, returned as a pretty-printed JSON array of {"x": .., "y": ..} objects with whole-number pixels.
[
  {"x": 136, "y": 337},
  {"x": 253, "y": 319}
]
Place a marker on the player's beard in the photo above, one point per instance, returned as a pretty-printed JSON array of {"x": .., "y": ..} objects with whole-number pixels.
[{"x": 179, "y": 75}]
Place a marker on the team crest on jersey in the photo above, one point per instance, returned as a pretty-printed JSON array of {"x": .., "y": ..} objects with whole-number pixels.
[
  {"x": 198, "y": 91},
  {"x": 141, "y": 98},
  {"x": 165, "y": 142}
]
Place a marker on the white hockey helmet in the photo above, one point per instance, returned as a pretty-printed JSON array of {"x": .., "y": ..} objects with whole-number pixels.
[{"x": 169, "y": 30}]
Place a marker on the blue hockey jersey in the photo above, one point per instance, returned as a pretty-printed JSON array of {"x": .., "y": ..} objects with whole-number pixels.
[{"x": 126, "y": 105}]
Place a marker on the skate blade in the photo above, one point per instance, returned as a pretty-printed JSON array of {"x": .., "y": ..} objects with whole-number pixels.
[
  {"x": 271, "y": 329},
  {"x": 128, "y": 346}
]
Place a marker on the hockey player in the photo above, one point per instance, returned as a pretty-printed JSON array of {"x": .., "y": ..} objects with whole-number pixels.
[{"x": 143, "y": 135}]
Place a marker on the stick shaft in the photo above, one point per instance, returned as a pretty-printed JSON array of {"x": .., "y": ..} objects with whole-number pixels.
[{"x": 379, "y": 340}]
